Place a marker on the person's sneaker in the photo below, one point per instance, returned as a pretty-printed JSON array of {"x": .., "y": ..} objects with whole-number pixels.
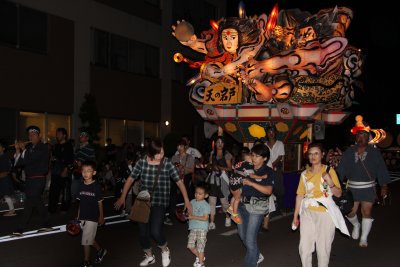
[
  {"x": 197, "y": 263},
  {"x": 168, "y": 221},
  {"x": 87, "y": 264},
  {"x": 18, "y": 232},
  {"x": 260, "y": 258},
  {"x": 100, "y": 255},
  {"x": 45, "y": 229},
  {"x": 148, "y": 260},
  {"x": 165, "y": 257},
  {"x": 211, "y": 226},
  {"x": 228, "y": 222},
  {"x": 122, "y": 214}
]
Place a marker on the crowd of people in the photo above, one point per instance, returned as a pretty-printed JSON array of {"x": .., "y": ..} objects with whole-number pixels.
[{"x": 248, "y": 184}]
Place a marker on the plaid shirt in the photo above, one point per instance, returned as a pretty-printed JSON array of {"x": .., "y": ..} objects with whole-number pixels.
[{"x": 147, "y": 173}]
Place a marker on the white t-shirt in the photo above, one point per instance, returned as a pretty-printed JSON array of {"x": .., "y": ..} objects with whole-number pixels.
[
  {"x": 278, "y": 149},
  {"x": 192, "y": 151}
]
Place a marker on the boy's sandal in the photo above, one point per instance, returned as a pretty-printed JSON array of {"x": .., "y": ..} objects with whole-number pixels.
[
  {"x": 230, "y": 210},
  {"x": 236, "y": 218}
]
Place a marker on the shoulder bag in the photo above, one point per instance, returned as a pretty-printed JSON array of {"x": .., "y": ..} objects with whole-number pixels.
[{"x": 140, "y": 211}]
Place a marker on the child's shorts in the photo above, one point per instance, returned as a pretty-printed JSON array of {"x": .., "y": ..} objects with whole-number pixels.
[
  {"x": 89, "y": 230},
  {"x": 235, "y": 183},
  {"x": 197, "y": 239}
]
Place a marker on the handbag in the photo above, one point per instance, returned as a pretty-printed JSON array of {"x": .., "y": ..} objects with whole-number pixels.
[
  {"x": 346, "y": 201},
  {"x": 140, "y": 211},
  {"x": 256, "y": 205}
]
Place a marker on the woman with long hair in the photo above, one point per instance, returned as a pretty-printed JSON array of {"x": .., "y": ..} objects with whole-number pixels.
[{"x": 220, "y": 165}]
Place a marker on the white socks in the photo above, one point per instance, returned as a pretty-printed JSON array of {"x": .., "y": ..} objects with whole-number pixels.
[
  {"x": 9, "y": 202},
  {"x": 366, "y": 224},
  {"x": 356, "y": 226}
]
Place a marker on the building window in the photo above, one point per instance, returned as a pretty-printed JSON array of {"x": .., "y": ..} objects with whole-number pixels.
[
  {"x": 103, "y": 132},
  {"x": 134, "y": 132},
  {"x": 119, "y": 52},
  {"x": 8, "y": 23},
  {"x": 100, "y": 49},
  {"x": 151, "y": 129},
  {"x": 127, "y": 131},
  {"x": 144, "y": 59},
  {"x": 116, "y": 131},
  {"x": 32, "y": 30},
  {"x": 22, "y": 27}
]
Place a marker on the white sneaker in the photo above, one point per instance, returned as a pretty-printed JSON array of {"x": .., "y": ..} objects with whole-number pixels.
[
  {"x": 197, "y": 262},
  {"x": 148, "y": 260},
  {"x": 166, "y": 258},
  {"x": 228, "y": 222},
  {"x": 260, "y": 258},
  {"x": 211, "y": 226}
]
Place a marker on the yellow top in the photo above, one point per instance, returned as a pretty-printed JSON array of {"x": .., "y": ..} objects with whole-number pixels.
[{"x": 316, "y": 187}]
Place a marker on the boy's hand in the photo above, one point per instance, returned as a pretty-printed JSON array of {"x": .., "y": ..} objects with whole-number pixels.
[{"x": 101, "y": 220}]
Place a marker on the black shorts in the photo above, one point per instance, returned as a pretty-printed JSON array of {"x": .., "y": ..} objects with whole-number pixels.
[{"x": 235, "y": 187}]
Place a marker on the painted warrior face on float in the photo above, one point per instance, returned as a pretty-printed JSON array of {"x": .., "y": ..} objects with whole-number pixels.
[{"x": 230, "y": 40}]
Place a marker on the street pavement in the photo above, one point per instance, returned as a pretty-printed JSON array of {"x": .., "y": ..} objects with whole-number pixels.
[{"x": 279, "y": 245}]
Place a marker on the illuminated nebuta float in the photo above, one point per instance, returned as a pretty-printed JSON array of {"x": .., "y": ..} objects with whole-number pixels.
[{"x": 289, "y": 69}]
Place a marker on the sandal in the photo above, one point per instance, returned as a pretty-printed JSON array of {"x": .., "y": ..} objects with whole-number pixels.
[
  {"x": 230, "y": 210},
  {"x": 10, "y": 213},
  {"x": 236, "y": 218}
]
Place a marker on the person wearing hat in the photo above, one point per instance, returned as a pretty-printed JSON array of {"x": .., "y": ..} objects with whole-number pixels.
[
  {"x": 34, "y": 159},
  {"x": 361, "y": 165},
  {"x": 85, "y": 152}
]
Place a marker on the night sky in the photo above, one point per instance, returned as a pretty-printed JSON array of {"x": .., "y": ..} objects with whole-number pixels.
[{"x": 374, "y": 29}]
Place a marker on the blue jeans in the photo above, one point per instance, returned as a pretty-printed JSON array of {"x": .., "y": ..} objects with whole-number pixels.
[
  {"x": 248, "y": 232},
  {"x": 153, "y": 229}
]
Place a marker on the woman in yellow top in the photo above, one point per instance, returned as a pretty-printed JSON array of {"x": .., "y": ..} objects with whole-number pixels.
[{"x": 318, "y": 212}]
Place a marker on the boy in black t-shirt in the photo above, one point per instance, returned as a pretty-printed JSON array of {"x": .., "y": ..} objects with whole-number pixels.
[{"x": 90, "y": 212}]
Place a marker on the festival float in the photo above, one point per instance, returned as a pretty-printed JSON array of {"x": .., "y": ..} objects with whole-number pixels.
[{"x": 291, "y": 69}]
